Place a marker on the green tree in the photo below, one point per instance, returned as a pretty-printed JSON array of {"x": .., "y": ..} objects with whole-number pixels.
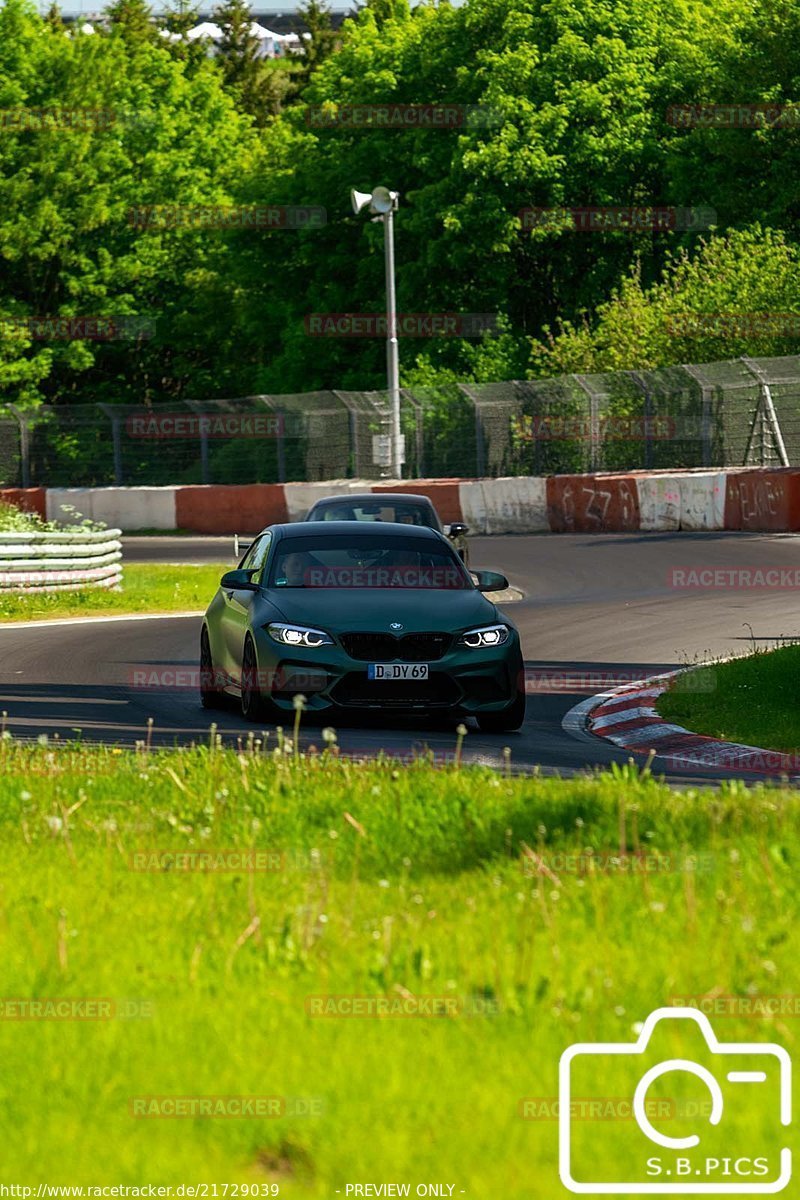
[
  {"x": 719, "y": 304},
  {"x": 131, "y": 20},
  {"x": 74, "y": 234},
  {"x": 181, "y": 17},
  {"x": 53, "y": 17},
  {"x": 320, "y": 43},
  {"x": 238, "y": 55},
  {"x": 563, "y": 104}
]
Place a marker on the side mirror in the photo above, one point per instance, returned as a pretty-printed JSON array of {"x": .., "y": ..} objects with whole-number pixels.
[
  {"x": 238, "y": 581},
  {"x": 489, "y": 581},
  {"x": 457, "y": 529}
]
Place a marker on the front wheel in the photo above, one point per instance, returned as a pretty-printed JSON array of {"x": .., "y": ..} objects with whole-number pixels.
[
  {"x": 507, "y": 720},
  {"x": 252, "y": 701},
  {"x": 210, "y": 695}
]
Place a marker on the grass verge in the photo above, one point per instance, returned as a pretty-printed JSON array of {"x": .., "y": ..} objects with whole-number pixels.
[
  {"x": 146, "y": 587},
  {"x": 540, "y": 912},
  {"x": 753, "y": 700}
]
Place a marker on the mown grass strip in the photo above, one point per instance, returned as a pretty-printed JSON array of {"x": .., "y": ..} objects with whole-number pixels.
[
  {"x": 753, "y": 700},
  {"x": 146, "y": 588}
]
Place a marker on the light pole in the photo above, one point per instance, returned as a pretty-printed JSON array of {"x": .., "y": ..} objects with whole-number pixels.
[{"x": 383, "y": 204}]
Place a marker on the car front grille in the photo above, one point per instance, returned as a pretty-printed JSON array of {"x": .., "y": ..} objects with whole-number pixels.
[
  {"x": 384, "y": 647},
  {"x": 355, "y": 690}
]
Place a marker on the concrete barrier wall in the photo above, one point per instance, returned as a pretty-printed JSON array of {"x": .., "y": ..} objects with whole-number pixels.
[
  {"x": 592, "y": 504},
  {"x": 511, "y": 505},
  {"x": 659, "y": 501},
  {"x": 769, "y": 500},
  {"x": 674, "y": 501},
  {"x": 236, "y": 509},
  {"x": 301, "y": 496},
  {"x": 124, "y": 508},
  {"x": 29, "y": 499}
]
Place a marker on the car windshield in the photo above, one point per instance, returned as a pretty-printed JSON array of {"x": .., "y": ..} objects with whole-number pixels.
[
  {"x": 406, "y": 513},
  {"x": 367, "y": 560}
]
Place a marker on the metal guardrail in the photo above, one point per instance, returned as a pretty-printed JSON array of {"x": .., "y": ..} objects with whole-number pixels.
[
  {"x": 60, "y": 562},
  {"x": 704, "y": 415}
]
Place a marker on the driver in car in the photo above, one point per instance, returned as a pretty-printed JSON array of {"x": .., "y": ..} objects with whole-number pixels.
[{"x": 294, "y": 569}]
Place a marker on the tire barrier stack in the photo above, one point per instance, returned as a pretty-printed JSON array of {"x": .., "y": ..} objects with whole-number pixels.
[{"x": 60, "y": 562}]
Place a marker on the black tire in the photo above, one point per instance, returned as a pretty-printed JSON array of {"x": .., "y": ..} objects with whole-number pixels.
[
  {"x": 254, "y": 706},
  {"x": 210, "y": 696},
  {"x": 506, "y": 721}
]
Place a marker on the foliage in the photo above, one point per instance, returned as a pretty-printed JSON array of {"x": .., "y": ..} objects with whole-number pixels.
[
  {"x": 549, "y": 106},
  {"x": 752, "y": 274}
]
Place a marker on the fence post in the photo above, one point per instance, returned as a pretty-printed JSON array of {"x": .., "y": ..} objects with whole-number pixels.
[
  {"x": 480, "y": 438},
  {"x": 705, "y": 411},
  {"x": 594, "y": 422},
  {"x": 769, "y": 416},
  {"x": 205, "y": 472},
  {"x": 280, "y": 437},
  {"x": 116, "y": 439},
  {"x": 419, "y": 432},
  {"x": 352, "y": 429},
  {"x": 640, "y": 380},
  {"x": 24, "y": 445}
]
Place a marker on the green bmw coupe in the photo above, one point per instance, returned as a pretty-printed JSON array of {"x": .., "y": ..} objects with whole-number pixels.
[{"x": 385, "y": 618}]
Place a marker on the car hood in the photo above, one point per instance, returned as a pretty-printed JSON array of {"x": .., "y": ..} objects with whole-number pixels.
[{"x": 372, "y": 610}]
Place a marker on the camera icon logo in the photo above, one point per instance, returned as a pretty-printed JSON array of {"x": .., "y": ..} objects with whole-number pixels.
[{"x": 710, "y": 1123}]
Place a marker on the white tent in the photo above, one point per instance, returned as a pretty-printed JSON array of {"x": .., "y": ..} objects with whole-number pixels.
[
  {"x": 207, "y": 29},
  {"x": 266, "y": 39}
]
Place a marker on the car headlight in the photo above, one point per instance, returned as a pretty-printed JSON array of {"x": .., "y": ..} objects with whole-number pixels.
[
  {"x": 488, "y": 635},
  {"x": 299, "y": 635}
]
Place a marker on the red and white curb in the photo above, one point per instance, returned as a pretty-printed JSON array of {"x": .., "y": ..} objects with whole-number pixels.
[{"x": 627, "y": 717}]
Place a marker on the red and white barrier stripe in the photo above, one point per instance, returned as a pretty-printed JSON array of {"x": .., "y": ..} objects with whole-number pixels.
[
  {"x": 628, "y": 717},
  {"x": 734, "y": 498}
]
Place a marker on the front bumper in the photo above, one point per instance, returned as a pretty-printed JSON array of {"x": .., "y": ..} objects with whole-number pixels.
[{"x": 463, "y": 681}]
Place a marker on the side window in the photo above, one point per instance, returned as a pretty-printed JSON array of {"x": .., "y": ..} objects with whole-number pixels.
[
  {"x": 257, "y": 555},
  {"x": 247, "y": 562},
  {"x": 260, "y": 556}
]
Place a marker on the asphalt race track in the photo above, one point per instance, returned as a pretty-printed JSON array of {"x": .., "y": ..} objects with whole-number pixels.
[{"x": 597, "y": 609}]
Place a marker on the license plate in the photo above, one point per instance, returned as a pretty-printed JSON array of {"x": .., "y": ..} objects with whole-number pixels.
[{"x": 397, "y": 671}]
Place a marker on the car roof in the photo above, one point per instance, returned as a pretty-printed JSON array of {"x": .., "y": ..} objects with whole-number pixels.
[
  {"x": 382, "y": 528},
  {"x": 359, "y": 497}
]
